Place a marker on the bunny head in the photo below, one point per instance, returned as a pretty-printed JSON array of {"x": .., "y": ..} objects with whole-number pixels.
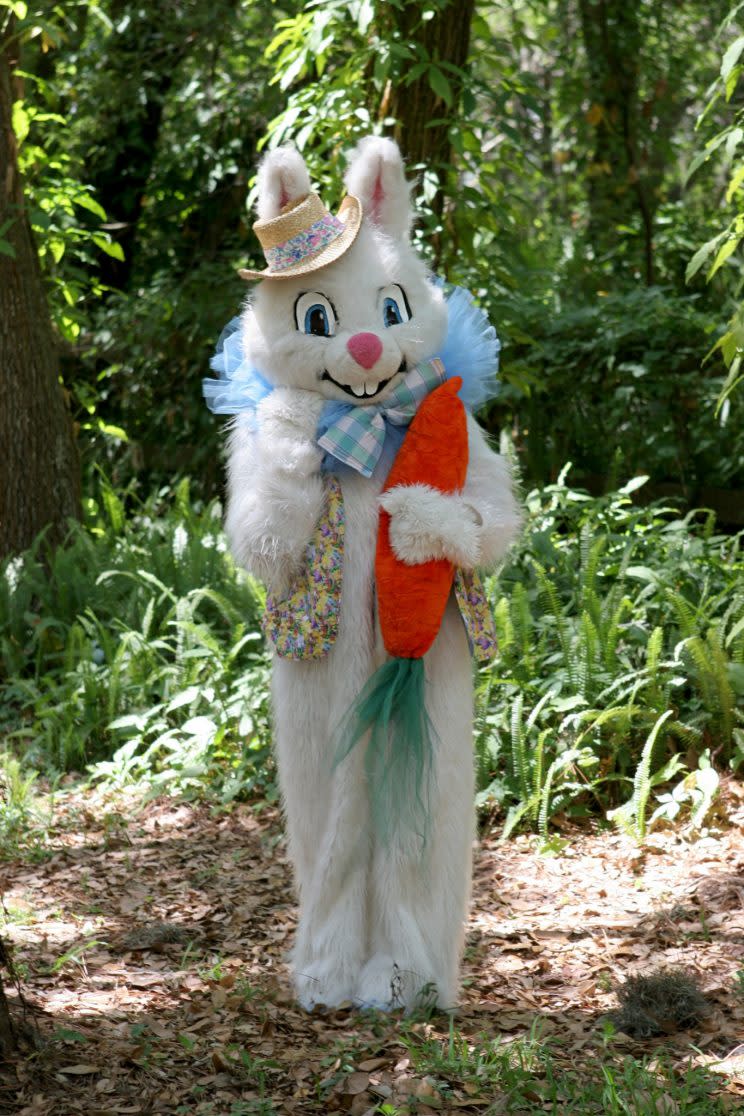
[{"x": 349, "y": 329}]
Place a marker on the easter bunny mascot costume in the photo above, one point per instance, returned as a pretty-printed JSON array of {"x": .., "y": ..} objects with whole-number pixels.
[{"x": 345, "y": 343}]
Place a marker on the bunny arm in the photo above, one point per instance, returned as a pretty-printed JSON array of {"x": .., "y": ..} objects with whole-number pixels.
[
  {"x": 472, "y": 528},
  {"x": 275, "y": 489}
]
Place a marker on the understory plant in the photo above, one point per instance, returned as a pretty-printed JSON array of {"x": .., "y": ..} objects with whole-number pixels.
[
  {"x": 621, "y": 661},
  {"x": 136, "y": 651},
  {"x": 137, "y": 648},
  {"x": 629, "y": 362}
]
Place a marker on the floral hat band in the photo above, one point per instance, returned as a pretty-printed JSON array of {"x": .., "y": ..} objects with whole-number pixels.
[{"x": 305, "y": 236}]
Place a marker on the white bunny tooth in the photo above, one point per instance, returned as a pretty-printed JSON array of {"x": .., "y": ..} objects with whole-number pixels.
[
  {"x": 370, "y": 388},
  {"x": 358, "y": 389}
]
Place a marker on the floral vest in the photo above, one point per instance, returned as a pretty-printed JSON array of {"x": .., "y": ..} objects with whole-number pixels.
[{"x": 304, "y": 623}]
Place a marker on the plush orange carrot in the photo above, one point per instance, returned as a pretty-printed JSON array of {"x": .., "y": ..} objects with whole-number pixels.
[{"x": 411, "y": 600}]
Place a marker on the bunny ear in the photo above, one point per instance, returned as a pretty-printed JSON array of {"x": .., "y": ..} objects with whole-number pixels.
[
  {"x": 282, "y": 178},
  {"x": 376, "y": 177}
]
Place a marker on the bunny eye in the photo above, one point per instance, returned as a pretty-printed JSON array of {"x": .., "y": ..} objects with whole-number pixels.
[
  {"x": 395, "y": 307},
  {"x": 314, "y": 315}
]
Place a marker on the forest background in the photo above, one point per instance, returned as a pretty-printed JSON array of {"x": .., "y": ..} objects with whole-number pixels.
[{"x": 579, "y": 170}]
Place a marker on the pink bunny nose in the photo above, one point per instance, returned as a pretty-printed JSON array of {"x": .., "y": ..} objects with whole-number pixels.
[{"x": 365, "y": 348}]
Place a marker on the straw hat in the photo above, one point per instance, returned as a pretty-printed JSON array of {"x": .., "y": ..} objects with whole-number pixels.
[{"x": 305, "y": 236}]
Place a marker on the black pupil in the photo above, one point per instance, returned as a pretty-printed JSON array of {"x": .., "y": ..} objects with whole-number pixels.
[
  {"x": 318, "y": 321},
  {"x": 392, "y": 317}
]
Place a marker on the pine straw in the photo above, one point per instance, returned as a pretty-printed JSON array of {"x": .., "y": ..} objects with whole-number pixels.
[{"x": 152, "y": 948}]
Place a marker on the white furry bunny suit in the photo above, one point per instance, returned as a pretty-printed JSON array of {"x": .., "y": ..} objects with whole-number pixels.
[{"x": 381, "y": 921}]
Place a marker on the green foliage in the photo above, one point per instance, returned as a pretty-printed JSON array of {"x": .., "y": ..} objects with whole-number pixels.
[
  {"x": 165, "y": 148},
  {"x": 611, "y": 358},
  {"x": 24, "y": 818},
  {"x": 527, "y": 1074},
  {"x": 728, "y": 142},
  {"x": 137, "y": 646},
  {"x": 144, "y": 416},
  {"x": 695, "y": 793},
  {"x": 137, "y": 650},
  {"x": 631, "y": 816},
  {"x": 340, "y": 65},
  {"x": 67, "y": 220},
  {"x": 621, "y": 634}
]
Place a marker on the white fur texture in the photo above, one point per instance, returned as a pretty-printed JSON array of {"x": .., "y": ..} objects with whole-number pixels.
[
  {"x": 376, "y": 177},
  {"x": 275, "y": 492},
  {"x": 381, "y": 924},
  {"x": 282, "y": 179}
]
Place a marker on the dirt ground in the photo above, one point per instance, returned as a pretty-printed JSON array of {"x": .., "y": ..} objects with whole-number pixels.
[{"x": 151, "y": 948}]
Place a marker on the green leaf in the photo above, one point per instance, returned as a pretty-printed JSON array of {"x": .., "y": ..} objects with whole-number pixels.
[
  {"x": 705, "y": 154},
  {"x": 731, "y": 57},
  {"x": 633, "y": 485},
  {"x": 439, "y": 82},
  {"x": 110, "y": 247},
  {"x": 85, "y": 201},
  {"x": 701, "y": 256},
  {"x": 21, "y": 122},
  {"x": 365, "y": 16},
  {"x": 731, "y": 82},
  {"x": 7, "y": 249},
  {"x": 733, "y": 380},
  {"x": 66, "y": 1034},
  {"x": 111, "y": 430},
  {"x": 733, "y": 140},
  {"x": 735, "y": 183},
  {"x": 724, "y": 252},
  {"x": 642, "y": 573}
]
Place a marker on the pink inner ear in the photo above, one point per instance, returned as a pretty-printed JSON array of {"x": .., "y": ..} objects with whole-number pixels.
[
  {"x": 283, "y": 196},
  {"x": 378, "y": 196}
]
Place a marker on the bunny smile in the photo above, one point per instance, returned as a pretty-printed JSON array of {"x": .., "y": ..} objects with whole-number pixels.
[{"x": 368, "y": 389}]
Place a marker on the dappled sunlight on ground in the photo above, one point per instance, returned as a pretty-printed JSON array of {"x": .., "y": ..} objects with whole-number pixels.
[{"x": 151, "y": 941}]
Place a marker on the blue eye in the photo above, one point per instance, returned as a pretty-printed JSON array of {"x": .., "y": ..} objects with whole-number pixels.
[
  {"x": 316, "y": 321},
  {"x": 314, "y": 314},
  {"x": 391, "y": 314},
  {"x": 394, "y": 305}
]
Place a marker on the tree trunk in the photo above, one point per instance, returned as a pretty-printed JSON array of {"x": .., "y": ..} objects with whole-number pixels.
[
  {"x": 617, "y": 185},
  {"x": 40, "y": 479},
  {"x": 445, "y": 38},
  {"x": 8, "y": 1043},
  {"x": 423, "y": 117}
]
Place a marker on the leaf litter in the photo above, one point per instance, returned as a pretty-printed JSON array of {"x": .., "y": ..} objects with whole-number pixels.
[{"x": 154, "y": 963}]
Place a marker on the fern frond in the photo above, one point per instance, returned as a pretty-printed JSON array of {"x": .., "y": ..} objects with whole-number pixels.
[
  {"x": 687, "y": 617},
  {"x": 588, "y": 644},
  {"x": 610, "y": 633},
  {"x": 550, "y": 594},
  {"x": 642, "y": 779}
]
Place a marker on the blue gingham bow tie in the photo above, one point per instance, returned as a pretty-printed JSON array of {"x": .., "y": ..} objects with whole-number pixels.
[{"x": 356, "y": 436}]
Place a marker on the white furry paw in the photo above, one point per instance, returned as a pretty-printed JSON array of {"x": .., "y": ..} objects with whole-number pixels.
[
  {"x": 426, "y": 523},
  {"x": 325, "y": 983},
  {"x": 386, "y": 985}
]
